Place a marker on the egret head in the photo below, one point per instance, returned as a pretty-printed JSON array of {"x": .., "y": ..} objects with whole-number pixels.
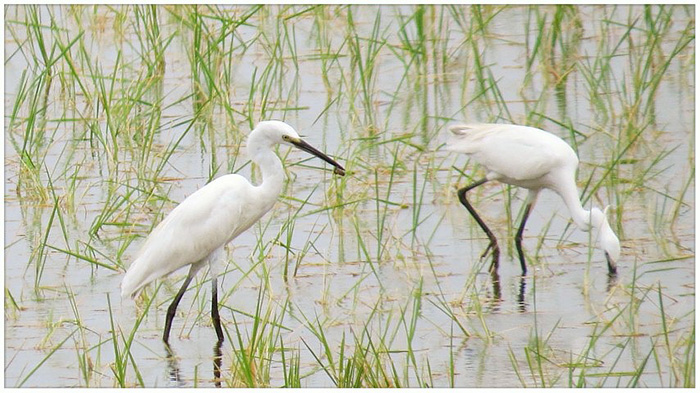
[
  {"x": 607, "y": 240},
  {"x": 269, "y": 133}
]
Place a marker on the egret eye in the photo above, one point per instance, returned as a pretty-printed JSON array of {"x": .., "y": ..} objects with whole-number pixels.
[{"x": 285, "y": 138}]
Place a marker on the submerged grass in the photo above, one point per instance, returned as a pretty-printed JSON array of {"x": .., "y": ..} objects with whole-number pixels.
[{"x": 115, "y": 113}]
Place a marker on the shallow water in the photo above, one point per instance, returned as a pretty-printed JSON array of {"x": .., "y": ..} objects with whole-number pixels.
[{"x": 400, "y": 262}]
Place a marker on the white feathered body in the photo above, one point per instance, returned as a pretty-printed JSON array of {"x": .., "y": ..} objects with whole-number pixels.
[
  {"x": 534, "y": 159},
  {"x": 519, "y": 155},
  {"x": 196, "y": 231}
]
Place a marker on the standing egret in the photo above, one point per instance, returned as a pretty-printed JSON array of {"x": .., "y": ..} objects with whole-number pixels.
[
  {"x": 197, "y": 230},
  {"x": 533, "y": 159}
]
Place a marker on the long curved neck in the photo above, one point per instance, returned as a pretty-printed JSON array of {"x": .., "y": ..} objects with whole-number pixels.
[
  {"x": 586, "y": 220},
  {"x": 581, "y": 216},
  {"x": 270, "y": 166}
]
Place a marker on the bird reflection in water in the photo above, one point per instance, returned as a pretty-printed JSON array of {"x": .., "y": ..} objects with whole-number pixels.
[
  {"x": 497, "y": 298},
  {"x": 522, "y": 305},
  {"x": 173, "y": 365},
  {"x": 612, "y": 280},
  {"x": 217, "y": 364}
]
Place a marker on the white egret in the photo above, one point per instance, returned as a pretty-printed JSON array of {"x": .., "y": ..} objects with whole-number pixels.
[
  {"x": 533, "y": 159},
  {"x": 197, "y": 230}
]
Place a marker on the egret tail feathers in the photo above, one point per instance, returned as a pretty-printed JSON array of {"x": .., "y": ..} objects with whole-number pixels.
[
  {"x": 135, "y": 279},
  {"x": 464, "y": 129},
  {"x": 464, "y": 136}
]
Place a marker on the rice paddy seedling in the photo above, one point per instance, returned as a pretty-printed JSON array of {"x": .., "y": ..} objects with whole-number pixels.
[
  {"x": 363, "y": 53},
  {"x": 368, "y": 364},
  {"x": 253, "y": 356},
  {"x": 122, "y": 355}
]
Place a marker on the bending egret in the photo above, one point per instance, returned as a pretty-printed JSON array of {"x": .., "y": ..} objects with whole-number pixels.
[
  {"x": 533, "y": 159},
  {"x": 197, "y": 230}
]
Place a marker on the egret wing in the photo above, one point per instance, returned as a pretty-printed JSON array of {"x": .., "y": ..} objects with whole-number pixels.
[
  {"x": 203, "y": 223},
  {"x": 513, "y": 152}
]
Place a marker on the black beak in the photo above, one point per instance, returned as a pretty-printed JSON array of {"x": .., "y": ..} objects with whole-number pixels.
[
  {"x": 339, "y": 170},
  {"x": 611, "y": 267}
]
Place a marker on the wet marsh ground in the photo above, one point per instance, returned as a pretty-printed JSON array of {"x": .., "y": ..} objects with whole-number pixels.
[{"x": 114, "y": 114}]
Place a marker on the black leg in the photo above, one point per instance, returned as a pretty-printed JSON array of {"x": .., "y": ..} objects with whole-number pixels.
[
  {"x": 215, "y": 311},
  {"x": 519, "y": 237},
  {"x": 173, "y": 307},
  {"x": 496, "y": 285},
  {"x": 493, "y": 245},
  {"x": 612, "y": 273},
  {"x": 612, "y": 269}
]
